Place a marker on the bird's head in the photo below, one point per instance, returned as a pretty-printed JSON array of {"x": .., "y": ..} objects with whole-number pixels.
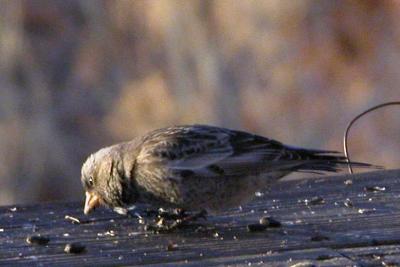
[{"x": 104, "y": 181}]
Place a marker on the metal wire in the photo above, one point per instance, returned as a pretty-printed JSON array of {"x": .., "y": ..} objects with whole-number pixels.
[{"x": 346, "y": 133}]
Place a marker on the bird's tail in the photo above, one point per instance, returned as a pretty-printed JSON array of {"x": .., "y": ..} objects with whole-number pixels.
[{"x": 326, "y": 161}]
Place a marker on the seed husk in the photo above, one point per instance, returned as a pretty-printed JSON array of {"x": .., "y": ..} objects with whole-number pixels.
[
  {"x": 74, "y": 248},
  {"x": 37, "y": 240}
]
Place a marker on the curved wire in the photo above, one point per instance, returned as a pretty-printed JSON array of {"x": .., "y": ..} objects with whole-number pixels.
[{"x": 346, "y": 133}]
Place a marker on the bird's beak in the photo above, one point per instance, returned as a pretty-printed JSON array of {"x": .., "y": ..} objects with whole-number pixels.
[{"x": 92, "y": 201}]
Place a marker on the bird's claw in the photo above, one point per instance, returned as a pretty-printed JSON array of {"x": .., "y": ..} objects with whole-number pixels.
[{"x": 180, "y": 219}]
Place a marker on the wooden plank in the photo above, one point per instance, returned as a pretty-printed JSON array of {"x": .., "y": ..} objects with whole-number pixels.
[
  {"x": 326, "y": 234},
  {"x": 382, "y": 255}
]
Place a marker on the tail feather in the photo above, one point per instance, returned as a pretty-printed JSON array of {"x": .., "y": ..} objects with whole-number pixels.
[{"x": 327, "y": 161}]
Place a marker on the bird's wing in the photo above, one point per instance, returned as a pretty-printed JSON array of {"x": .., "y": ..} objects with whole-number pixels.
[
  {"x": 185, "y": 147},
  {"x": 211, "y": 151}
]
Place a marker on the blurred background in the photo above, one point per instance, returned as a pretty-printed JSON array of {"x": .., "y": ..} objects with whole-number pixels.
[{"x": 76, "y": 76}]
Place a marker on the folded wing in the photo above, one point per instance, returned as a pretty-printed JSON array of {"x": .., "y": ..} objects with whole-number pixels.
[{"x": 212, "y": 151}]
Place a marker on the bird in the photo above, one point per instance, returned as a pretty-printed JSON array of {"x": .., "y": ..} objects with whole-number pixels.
[{"x": 196, "y": 167}]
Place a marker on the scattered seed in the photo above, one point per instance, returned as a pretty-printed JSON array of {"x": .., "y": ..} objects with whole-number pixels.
[
  {"x": 374, "y": 189},
  {"x": 269, "y": 222},
  {"x": 348, "y": 203},
  {"x": 318, "y": 238},
  {"x": 122, "y": 211},
  {"x": 174, "y": 215},
  {"x": 180, "y": 212},
  {"x": 348, "y": 182},
  {"x": 74, "y": 248},
  {"x": 317, "y": 200},
  {"x": 259, "y": 194},
  {"x": 314, "y": 201},
  {"x": 37, "y": 240},
  {"x": 74, "y": 220},
  {"x": 108, "y": 233},
  {"x": 172, "y": 247},
  {"x": 377, "y": 256},
  {"x": 365, "y": 211},
  {"x": 161, "y": 222},
  {"x": 256, "y": 227}
]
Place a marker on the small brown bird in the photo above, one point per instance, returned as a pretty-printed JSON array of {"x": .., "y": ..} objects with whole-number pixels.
[{"x": 195, "y": 167}]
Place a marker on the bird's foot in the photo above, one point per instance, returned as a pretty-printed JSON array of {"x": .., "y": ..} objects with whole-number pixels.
[
  {"x": 181, "y": 214},
  {"x": 167, "y": 222}
]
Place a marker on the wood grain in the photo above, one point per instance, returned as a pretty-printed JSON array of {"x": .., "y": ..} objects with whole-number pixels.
[{"x": 323, "y": 234}]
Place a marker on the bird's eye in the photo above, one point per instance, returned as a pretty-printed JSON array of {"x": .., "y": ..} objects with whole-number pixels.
[{"x": 91, "y": 181}]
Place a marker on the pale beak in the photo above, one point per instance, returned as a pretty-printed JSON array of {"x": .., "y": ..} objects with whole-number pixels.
[{"x": 92, "y": 201}]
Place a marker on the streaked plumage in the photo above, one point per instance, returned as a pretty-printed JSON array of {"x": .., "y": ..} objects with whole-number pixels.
[{"x": 195, "y": 167}]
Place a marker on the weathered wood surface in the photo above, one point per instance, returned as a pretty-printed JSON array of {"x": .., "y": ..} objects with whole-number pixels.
[{"x": 327, "y": 234}]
